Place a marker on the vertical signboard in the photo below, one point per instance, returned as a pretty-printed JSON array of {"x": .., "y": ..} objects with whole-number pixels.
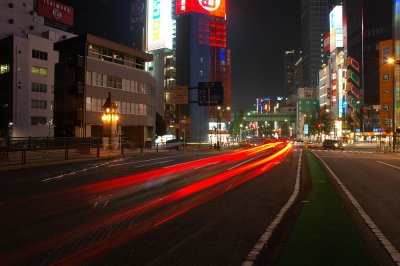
[
  {"x": 305, "y": 129},
  {"x": 340, "y": 90},
  {"x": 159, "y": 24},
  {"x": 336, "y": 28},
  {"x": 385, "y": 83},
  {"x": 334, "y": 88}
]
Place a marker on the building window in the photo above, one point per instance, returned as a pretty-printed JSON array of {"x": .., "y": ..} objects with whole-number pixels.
[
  {"x": 39, "y": 55},
  {"x": 39, "y": 71},
  {"x": 38, "y": 121},
  {"x": 5, "y": 68},
  {"x": 39, "y": 104},
  {"x": 37, "y": 87}
]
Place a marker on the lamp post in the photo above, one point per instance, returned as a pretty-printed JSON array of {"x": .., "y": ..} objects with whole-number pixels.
[{"x": 110, "y": 119}]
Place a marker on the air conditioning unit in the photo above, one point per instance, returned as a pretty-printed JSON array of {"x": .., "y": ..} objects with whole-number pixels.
[
  {"x": 10, "y": 5},
  {"x": 11, "y": 21}
]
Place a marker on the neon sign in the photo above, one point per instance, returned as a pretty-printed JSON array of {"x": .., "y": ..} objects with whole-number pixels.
[
  {"x": 159, "y": 25},
  {"x": 216, "y": 8}
]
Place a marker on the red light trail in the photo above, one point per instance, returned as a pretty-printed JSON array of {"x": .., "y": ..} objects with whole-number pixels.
[{"x": 166, "y": 207}]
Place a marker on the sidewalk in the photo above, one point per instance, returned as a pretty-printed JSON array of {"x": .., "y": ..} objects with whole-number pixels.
[{"x": 324, "y": 233}]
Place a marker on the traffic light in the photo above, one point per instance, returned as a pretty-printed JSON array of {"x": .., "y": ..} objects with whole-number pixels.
[{"x": 319, "y": 126}]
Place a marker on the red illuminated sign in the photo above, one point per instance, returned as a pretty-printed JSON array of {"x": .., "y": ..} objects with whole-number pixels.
[
  {"x": 56, "y": 11},
  {"x": 215, "y": 8},
  {"x": 327, "y": 43},
  {"x": 334, "y": 96}
]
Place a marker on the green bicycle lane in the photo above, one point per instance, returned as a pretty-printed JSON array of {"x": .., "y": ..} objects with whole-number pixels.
[{"x": 324, "y": 233}]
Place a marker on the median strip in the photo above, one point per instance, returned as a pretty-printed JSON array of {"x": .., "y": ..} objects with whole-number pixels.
[{"x": 324, "y": 233}]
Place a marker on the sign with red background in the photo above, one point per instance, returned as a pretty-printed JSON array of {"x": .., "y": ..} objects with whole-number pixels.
[
  {"x": 56, "y": 11},
  {"x": 215, "y": 8}
]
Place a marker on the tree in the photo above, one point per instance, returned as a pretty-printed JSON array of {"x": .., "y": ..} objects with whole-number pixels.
[
  {"x": 238, "y": 119},
  {"x": 161, "y": 125},
  {"x": 325, "y": 121}
]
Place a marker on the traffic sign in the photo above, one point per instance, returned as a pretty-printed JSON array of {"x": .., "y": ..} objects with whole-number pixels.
[{"x": 210, "y": 93}]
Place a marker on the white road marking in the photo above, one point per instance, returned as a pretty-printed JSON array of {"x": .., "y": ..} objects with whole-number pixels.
[
  {"x": 139, "y": 166},
  {"x": 262, "y": 242},
  {"x": 388, "y": 165},
  {"x": 149, "y": 160},
  {"x": 205, "y": 165},
  {"x": 378, "y": 233},
  {"x": 253, "y": 158}
]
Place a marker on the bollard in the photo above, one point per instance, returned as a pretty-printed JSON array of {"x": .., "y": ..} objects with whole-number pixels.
[
  {"x": 157, "y": 147},
  {"x": 141, "y": 148},
  {"x": 66, "y": 153},
  {"x": 122, "y": 149},
  {"x": 23, "y": 159},
  {"x": 98, "y": 151}
]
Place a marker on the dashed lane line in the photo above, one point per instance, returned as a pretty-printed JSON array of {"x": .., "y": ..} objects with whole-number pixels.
[{"x": 389, "y": 165}]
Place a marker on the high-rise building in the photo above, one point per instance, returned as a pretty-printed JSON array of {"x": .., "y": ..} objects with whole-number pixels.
[
  {"x": 314, "y": 26},
  {"x": 203, "y": 57},
  {"x": 367, "y": 22},
  {"x": 28, "y": 30},
  {"x": 289, "y": 62}
]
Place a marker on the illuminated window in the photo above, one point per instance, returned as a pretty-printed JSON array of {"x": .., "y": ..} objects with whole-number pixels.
[
  {"x": 39, "y": 71},
  {"x": 5, "y": 68}
]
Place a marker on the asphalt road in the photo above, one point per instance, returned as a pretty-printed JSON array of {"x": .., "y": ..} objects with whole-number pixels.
[
  {"x": 184, "y": 208},
  {"x": 374, "y": 181}
]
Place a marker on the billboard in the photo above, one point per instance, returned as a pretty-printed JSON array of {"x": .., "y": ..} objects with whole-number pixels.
[
  {"x": 336, "y": 28},
  {"x": 216, "y": 8},
  {"x": 56, "y": 11},
  {"x": 327, "y": 42},
  {"x": 177, "y": 95},
  {"x": 159, "y": 24}
]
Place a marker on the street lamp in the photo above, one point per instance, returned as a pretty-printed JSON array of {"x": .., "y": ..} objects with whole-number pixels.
[{"x": 110, "y": 119}]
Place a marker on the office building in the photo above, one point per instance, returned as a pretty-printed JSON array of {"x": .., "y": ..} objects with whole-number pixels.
[
  {"x": 89, "y": 69},
  {"x": 28, "y": 30},
  {"x": 314, "y": 26}
]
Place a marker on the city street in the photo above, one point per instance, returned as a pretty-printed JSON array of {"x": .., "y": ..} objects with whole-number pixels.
[
  {"x": 374, "y": 180},
  {"x": 185, "y": 208}
]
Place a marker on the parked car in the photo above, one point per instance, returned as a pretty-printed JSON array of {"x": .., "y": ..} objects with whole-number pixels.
[{"x": 332, "y": 144}]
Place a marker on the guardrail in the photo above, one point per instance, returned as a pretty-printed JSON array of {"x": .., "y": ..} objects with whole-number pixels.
[{"x": 10, "y": 156}]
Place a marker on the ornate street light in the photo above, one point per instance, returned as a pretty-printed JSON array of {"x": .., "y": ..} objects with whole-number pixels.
[{"x": 110, "y": 121}]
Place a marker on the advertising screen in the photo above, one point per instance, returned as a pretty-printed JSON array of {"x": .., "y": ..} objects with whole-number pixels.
[
  {"x": 159, "y": 24},
  {"x": 56, "y": 11},
  {"x": 327, "y": 42},
  {"x": 215, "y": 8},
  {"x": 336, "y": 28}
]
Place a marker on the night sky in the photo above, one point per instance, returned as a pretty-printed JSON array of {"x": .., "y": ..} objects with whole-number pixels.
[{"x": 259, "y": 32}]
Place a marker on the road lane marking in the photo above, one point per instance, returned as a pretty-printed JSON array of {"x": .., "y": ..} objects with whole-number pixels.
[
  {"x": 113, "y": 165},
  {"x": 393, "y": 252},
  {"x": 253, "y": 158},
  {"x": 206, "y": 165},
  {"x": 388, "y": 165},
  {"x": 139, "y": 166},
  {"x": 262, "y": 242}
]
